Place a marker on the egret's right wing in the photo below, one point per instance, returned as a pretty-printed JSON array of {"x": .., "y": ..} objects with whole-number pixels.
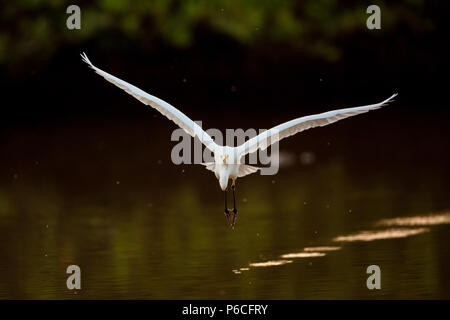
[
  {"x": 210, "y": 166},
  {"x": 163, "y": 107}
]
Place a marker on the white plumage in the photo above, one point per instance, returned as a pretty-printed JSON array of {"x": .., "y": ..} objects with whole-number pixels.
[{"x": 227, "y": 159}]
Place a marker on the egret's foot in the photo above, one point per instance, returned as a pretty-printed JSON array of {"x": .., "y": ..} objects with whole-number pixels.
[
  {"x": 234, "y": 218},
  {"x": 231, "y": 214},
  {"x": 231, "y": 217},
  {"x": 227, "y": 214}
]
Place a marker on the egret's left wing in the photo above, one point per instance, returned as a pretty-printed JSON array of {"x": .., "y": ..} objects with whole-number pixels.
[
  {"x": 245, "y": 169},
  {"x": 266, "y": 138},
  {"x": 165, "y": 108}
]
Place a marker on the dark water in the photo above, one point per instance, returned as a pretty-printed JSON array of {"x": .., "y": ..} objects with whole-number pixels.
[{"x": 106, "y": 197}]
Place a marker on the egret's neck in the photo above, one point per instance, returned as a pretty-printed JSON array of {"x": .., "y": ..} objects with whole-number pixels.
[{"x": 223, "y": 180}]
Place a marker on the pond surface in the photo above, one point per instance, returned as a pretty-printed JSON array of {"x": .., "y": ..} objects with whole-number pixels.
[{"x": 107, "y": 198}]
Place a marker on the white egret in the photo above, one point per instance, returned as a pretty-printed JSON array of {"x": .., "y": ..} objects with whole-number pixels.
[{"x": 227, "y": 160}]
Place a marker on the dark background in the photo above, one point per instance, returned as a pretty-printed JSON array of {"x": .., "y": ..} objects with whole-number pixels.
[
  {"x": 329, "y": 59},
  {"x": 85, "y": 170},
  {"x": 229, "y": 64}
]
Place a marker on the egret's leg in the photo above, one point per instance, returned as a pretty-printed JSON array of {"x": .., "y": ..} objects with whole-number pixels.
[
  {"x": 228, "y": 212},
  {"x": 226, "y": 204},
  {"x": 234, "y": 200},
  {"x": 234, "y": 207}
]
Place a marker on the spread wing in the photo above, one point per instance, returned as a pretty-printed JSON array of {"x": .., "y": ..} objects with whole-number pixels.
[
  {"x": 163, "y": 107},
  {"x": 266, "y": 138}
]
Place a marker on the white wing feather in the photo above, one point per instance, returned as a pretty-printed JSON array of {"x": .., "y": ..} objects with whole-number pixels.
[
  {"x": 210, "y": 166},
  {"x": 163, "y": 107},
  {"x": 245, "y": 169},
  {"x": 265, "y": 139}
]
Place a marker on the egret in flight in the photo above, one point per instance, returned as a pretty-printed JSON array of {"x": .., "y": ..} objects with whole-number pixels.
[{"x": 227, "y": 160}]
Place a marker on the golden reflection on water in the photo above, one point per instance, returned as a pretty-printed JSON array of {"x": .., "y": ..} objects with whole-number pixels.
[
  {"x": 429, "y": 220},
  {"x": 238, "y": 271},
  {"x": 365, "y": 235},
  {"x": 137, "y": 234},
  {"x": 270, "y": 263},
  {"x": 315, "y": 249},
  {"x": 303, "y": 255},
  {"x": 381, "y": 234}
]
